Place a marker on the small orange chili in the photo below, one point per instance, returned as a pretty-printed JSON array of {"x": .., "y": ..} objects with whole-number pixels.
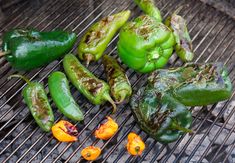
[
  {"x": 64, "y": 131},
  {"x": 135, "y": 144},
  {"x": 107, "y": 129},
  {"x": 91, "y": 153}
]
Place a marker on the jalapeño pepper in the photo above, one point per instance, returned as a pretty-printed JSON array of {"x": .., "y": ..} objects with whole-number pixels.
[
  {"x": 29, "y": 49},
  {"x": 145, "y": 44},
  {"x": 149, "y": 8},
  {"x": 94, "y": 89},
  {"x": 97, "y": 38},
  {"x": 183, "y": 47},
  {"x": 118, "y": 81},
  {"x": 61, "y": 95},
  {"x": 36, "y": 99},
  {"x": 194, "y": 84}
]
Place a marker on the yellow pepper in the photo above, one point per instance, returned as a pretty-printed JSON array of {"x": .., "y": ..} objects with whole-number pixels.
[
  {"x": 107, "y": 129},
  {"x": 64, "y": 131},
  {"x": 135, "y": 144},
  {"x": 91, "y": 153}
]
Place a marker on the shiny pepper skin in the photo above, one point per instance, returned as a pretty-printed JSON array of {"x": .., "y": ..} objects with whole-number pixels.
[
  {"x": 107, "y": 129},
  {"x": 135, "y": 144},
  {"x": 145, "y": 44},
  {"x": 91, "y": 153},
  {"x": 64, "y": 131}
]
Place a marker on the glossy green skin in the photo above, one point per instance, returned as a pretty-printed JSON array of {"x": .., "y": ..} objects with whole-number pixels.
[
  {"x": 31, "y": 49},
  {"x": 37, "y": 102},
  {"x": 194, "y": 84},
  {"x": 183, "y": 47},
  {"x": 94, "y": 89},
  {"x": 98, "y": 36},
  {"x": 119, "y": 83},
  {"x": 145, "y": 44},
  {"x": 149, "y": 8},
  {"x": 158, "y": 114},
  {"x": 61, "y": 95}
]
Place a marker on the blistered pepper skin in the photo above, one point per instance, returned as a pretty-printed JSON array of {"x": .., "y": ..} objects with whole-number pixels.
[
  {"x": 36, "y": 99},
  {"x": 30, "y": 49},
  {"x": 149, "y": 8},
  {"x": 94, "y": 89},
  {"x": 118, "y": 81},
  {"x": 145, "y": 44},
  {"x": 97, "y": 38},
  {"x": 61, "y": 95}
]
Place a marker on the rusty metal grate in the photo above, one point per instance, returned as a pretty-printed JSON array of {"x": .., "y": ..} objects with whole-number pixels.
[{"x": 21, "y": 140}]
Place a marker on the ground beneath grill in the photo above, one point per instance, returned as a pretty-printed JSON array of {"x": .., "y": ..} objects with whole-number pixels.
[{"x": 213, "y": 139}]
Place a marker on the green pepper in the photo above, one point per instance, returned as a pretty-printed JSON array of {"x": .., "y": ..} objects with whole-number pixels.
[
  {"x": 29, "y": 49},
  {"x": 98, "y": 36},
  {"x": 183, "y": 47},
  {"x": 117, "y": 79},
  {"x": 149, "y": 8},
  {"x": 37, "y": 101},
  {"x": 94, "y": 89},
  {"x": 194, "y": 84},
  {"x": 145, "y": 44},
  {"x": 60, "y": 93},
  {"x": 159, "y": 115}
]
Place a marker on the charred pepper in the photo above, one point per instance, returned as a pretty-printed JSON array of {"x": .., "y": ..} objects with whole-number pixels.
[
  {"x": 183, "y": 47},
  {"x": 149, "y": 8},
  {"x": 194, "y": 84},
  {"x": 94, "y": 89},
  {"x": 145, "y": 44},
  {"x": 117, "y": 79},
  {"x": 37, "y": 101},
  {"x": 91, "y": 153},
  {"x": 135, "y": 144},
  {"x": 29, "y": 49},
  {"x": 161, "y": 116},
  {"x": 64, "y": 131},
  {"x": 61, "y": 95},
  {"x": 97, "y": 38}
]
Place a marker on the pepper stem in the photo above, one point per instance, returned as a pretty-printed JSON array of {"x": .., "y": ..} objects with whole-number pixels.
[
  {"x": 20, "y": 76},
  {"x": 176, "y": 126},
  {"x": 178, "y": 9},
  {"x": 109, "y": 99},
  {"x": 4, "y": 53},
  {"x": 88, "y": 58}
]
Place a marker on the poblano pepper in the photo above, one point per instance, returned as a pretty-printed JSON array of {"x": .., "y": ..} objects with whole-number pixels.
[
  {"x": 159, "y": 115},
  {"x": 37, "y": 102},
  {"x": 145, "y": 44},
  {"x": 94, "y": 89},
  {"x": 183, "y": 47},
  {"x": 118, "y": 81},
  {"x": 149, "y": 8},
  {"x": 29, "y": 49},
  {"x": 194, "y": 84},
  {"x": 98, "y": 36}
]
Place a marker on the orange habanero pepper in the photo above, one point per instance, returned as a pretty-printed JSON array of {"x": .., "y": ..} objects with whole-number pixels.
[
  {"x": 135, "y": 145},
  {"x": 107, "y": 129},
  {"x": 91, "y": 153},
  {"x": 64, "y": 131}
]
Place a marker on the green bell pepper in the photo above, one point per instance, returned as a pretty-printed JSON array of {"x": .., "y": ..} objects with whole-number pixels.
[
  {"x": 37, "y": 101},
  {"x": 94, "y": 89},
  {"x": 61, "y": 95},
  {"x": 159, "y": 115},
  {"x": 194, "y": 84},
  {"x": 149, "y": 8},
  {"x": 98, "y": 36},
  {"x": 183, "y": 47},
  {"x": 145, "y": 44},
  {"x": 29, "y": 49}
]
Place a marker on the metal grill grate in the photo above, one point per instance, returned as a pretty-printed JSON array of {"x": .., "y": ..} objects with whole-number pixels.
[{"x": 21, "y": 140}]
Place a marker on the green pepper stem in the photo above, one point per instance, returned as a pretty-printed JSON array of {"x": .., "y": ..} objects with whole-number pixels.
[
  {"x": 109, "y": 99},
  {"x": 4, "y": 53},
  {"x": 20, "y": 76},
  {"x": 178, "y": 10}
]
